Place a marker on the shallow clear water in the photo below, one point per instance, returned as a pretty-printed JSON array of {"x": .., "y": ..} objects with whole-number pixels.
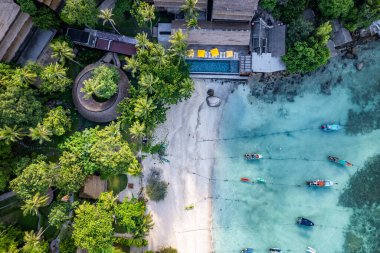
[{"x": 287, "y": 134}]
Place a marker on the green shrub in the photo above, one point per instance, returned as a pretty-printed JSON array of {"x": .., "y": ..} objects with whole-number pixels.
[
  {"x": 156, "y": 189},
  {"x": 45, "y": 18},
  {"x": 103, "y": 83},
  {"x": 335, "y": 8},
  {"x": 28, "y": 6},
  {"x": 168, "y": 250},
  {"x": 268, "y": 4},
  {"x": 121, "y": 7}
]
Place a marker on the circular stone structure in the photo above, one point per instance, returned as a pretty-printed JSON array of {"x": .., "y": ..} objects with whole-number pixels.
[{"x": 91, "y": 109}]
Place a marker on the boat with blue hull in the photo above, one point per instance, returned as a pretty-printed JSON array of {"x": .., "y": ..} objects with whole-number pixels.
[
  {"x": 331, "y": 127},
  {"x": 305, "y": 222},
  {"x": 247, "y": 250},
  {"x": 339, "y": 161}
]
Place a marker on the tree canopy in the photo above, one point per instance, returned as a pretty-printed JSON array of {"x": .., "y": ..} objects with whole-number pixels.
[
  {"x": 163, "y": 79},
  {"x": 306, "y": 56},
  {"x": 102, "y": 150},
  {"x": 80, "y": 12},
  {"x": 335, "y": 8},
  {"x": 103, "y": 83}
]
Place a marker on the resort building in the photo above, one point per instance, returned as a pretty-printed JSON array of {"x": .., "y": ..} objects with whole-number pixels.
[
  {"x": 103, "y": 40},
  {"x": 234, "y": 11},
  {"x": 52, "y": 4},
  {"x": 19, "y": 40},
  {"x": 341, "y": 36},
  {"x": 268, "y": 42},
  {"x": 219, "y": 48}
]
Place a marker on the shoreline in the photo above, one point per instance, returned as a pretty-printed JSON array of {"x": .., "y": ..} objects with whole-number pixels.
[{"x": 188, "y": 171}]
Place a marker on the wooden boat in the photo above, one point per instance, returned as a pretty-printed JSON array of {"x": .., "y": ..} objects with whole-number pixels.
[
  {"x": 339, "y": 161},
  {"x": 252, "y": 156},
  {"x": 305, "y": 222},
  {"x": 331, "y": 127},
  {"x": 320, "y": 183},
  {"x": 275, "y": 250},
  {"x": 245, "y": 179}
]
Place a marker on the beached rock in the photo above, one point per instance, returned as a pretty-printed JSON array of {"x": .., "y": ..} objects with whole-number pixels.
[
  {"x": 350, "y": 56},
  {"x": 326, "y": 88},
  {"x": 210, "y": 92},
  {"x": 359, "y": 66},
  {"x": 213, "y": 101}
]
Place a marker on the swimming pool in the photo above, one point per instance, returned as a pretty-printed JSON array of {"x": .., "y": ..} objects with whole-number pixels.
[{"x": 214, "y": 66}]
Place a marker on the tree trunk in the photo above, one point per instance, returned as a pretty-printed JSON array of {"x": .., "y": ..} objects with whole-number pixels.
[
  {"x": 39, "y": 220},
  {"x": 114, "y": 28}
]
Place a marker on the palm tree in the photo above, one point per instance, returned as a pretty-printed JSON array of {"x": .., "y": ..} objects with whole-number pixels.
[
  {"x": 11, "y": 134},
  {"x": 132, "y": 64},
  {"x": 159, "y": 54},
  {"x": 192, "y": 23},
  {"x": 40, "y": 133},
  {"x": 24, "y": 77},
  {"x": 144, "y": 106},
  {"x": 190, "y": 9},
  {"x": 55, "y": 71},
  {"x": 142, "y": 41},
  {"x": 178, "y": 44},
  {"x": 147, "y": 82},
  {"x": 32, "y": 240},
  {"x": 31, "y": 206},
  {"x": 63, "y": 51},
  {"x": 106, "y": 15},
  {"x": 137, "y": 132},
  {"x": 148, "y": 14}
]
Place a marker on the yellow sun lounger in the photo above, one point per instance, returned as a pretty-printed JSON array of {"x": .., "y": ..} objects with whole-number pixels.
[
  {"x": 190, "y": 53},
  {"x": 229, "y": 54},
  {"x": 201, "y": 53},
  {"x": 214, "y": 52}
]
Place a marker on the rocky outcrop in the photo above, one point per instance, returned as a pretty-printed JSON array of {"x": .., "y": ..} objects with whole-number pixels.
[{"x": 213, "y": 101}]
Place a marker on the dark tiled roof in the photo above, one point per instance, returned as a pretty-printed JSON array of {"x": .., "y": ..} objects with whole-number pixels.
[
  {"x": 341, "y": 35},
  {"x": 276, "y": 40},
  {"x": 239, "y": 10},
  {"x": 78, "y": 35}
]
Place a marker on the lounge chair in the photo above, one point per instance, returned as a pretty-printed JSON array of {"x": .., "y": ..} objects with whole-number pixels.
[
  {"x": 201, "y": 53},
  {"x": 214, "y": 52},
  {"x": 229, "y": 54}
]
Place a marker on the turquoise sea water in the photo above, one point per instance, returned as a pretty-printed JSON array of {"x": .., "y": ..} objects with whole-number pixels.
[{"x": 287, "y": 134}]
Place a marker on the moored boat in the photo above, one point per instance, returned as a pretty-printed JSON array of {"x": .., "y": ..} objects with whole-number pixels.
[
  {"x": 275, "y": 250},
  {"x": 245, "y": 179},
  {"x": 261, "y": 180},
  {"x": 247, "y": 250},
  {"x": 252, "y": 156},
  {"x": 311, "y": 250},
  {"x": 320, "y": 183},
  {"x": 305, "y": 222},
  {"x": 331, "y": 127},
  {"x": 339, "y": 161}
]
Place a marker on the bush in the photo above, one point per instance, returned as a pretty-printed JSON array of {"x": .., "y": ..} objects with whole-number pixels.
[
  {"x": 103, "y": 83},
  {"x": 298, "y": 30},
  {"x": 335, "y": 8},
  {"x": 268, "y": 4},
  {"x": 156, "y": 189},
  {"x": 45, "y": 19},
  {"x": 28, "y": 6},
  {"x": 168, "y": 250},
  {"x": 289, "y": 11},
  {"x": 121, "y": 7}
]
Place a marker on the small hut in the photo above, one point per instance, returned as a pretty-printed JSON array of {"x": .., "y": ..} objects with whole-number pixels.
[{"x": 93, "y": 187}]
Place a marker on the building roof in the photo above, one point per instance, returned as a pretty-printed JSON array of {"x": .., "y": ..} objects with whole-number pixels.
[
  {"x": 276, "y": 43},
  {"x": 175, "y": 5},
  {"x": 341, "y": 35},
  {"x": 216, "y": 33},
  {"x": 78, "y": 35},
  {"x": 236, "y": 10},
  {"x": 269, "y": 39},
  {"x": 93, "y": 187}
]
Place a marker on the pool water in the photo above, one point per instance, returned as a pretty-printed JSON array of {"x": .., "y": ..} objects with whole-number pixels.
[
  {"x": 294, "y": 150},
  {"x": 214, "y": 66}
]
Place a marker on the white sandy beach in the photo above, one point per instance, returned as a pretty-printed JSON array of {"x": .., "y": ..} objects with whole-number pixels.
[{"x": 187, "y": 123}]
